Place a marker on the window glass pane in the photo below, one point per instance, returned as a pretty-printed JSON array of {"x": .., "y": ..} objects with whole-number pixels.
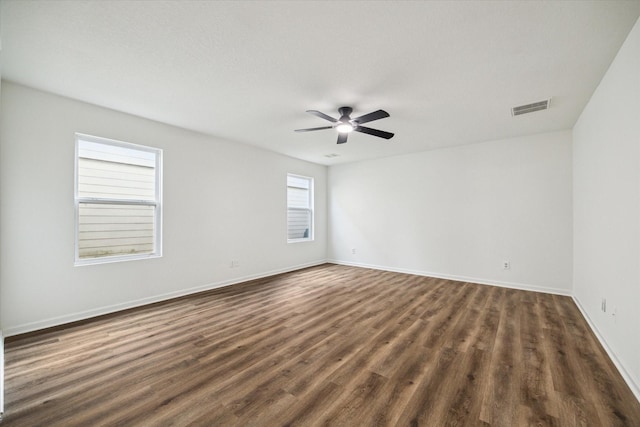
[
  {"x": 114, "y": 153},
  {"x": 298, "y": 198},
  {"x": 298, "y": 181},
  {"x": 299, "y": 224},
  {"x": 112, "y": 229},
  {"x": 105, "y": 179}
]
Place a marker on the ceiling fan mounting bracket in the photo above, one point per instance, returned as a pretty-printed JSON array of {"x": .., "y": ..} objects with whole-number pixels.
[{"x": 345, "y": 111}]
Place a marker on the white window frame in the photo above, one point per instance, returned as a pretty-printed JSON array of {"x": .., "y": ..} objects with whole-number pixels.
[
  {"x": 310, "y": 209},
  {"x": 157, "y": 203}
]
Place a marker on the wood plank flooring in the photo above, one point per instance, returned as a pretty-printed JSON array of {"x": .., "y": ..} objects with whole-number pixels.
[{"x": 328, "y": 345}]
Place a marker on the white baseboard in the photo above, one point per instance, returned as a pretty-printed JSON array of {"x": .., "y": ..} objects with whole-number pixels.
[
  {"x": 83, "y": 315},
  {"x": 512, "y": 285},
  {"x": 625, "y": 375}
]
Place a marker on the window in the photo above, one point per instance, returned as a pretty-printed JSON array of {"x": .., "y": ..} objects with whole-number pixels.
[
  {"x": 117, "y": 200},
  {"x": 299, "y": 208}
]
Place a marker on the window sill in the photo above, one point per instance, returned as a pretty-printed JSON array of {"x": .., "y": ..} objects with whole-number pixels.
[
  {"x": 299, "y": 240},
  {"x": 112, "y": 259}
]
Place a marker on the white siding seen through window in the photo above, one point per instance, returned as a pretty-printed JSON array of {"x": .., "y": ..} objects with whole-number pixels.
[
  {"x": 117, "y": 200},
  {"x": 299, "y": 208}
]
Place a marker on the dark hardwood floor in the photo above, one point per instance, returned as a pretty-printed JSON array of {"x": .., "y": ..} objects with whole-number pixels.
[{"x": 329, "y": 345}]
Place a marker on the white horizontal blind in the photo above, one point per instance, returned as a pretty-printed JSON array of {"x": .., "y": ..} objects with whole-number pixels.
[
  {"x": 299, "y": 208},
  {"x": 117, "y": 199}
]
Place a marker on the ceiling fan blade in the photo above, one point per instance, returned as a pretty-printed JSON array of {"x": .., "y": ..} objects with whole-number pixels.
[
  {"x": 376, "y": 115},
  {"x": 322, "y": 115},
  {"x": 310, "y": 129},
  {"x": 342, "y": 138},
  {"x": 374, "y": 132}
]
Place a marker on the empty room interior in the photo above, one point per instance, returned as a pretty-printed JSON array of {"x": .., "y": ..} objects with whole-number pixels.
[{"x": 349, "y": 213}]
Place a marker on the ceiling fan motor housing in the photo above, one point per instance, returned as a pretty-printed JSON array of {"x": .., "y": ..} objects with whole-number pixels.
[{"x": 345, "y": 112}]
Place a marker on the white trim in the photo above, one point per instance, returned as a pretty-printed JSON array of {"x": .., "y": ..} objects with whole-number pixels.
[
  {"x": 114, "y": 258},
  {"x": 511, "y": 285},
  {"x": 301, "y": 240},
  {"x": 108, "y": 201},
  {"x": 83, "y": 315},
  {"x": 310, "y": 209},
  {"x": 635, "y": 388}
]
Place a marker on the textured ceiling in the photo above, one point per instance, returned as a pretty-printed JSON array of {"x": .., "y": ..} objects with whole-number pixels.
[{"x": 447, "y": 72}]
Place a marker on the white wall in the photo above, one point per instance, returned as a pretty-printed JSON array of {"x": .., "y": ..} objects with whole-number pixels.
[
  {"x": 222, "y": 202},
  {"x": 606, "y": 189},
  {"x": 460, "y": 212}
]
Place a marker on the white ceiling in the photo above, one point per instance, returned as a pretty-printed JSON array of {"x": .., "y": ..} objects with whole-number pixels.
[{"x": 448, "y": 72}]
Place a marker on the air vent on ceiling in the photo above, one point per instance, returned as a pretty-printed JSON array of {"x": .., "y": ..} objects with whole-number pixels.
[
  {"x": 530, "y": 108},
  {"x": 332, "y": 155}
]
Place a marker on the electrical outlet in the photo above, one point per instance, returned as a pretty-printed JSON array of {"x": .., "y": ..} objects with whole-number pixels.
[
  {"x": 234, "y": 264},
  {"x": 353, "y": 251},
  {"x": 603, "y": 305},
  {"x": 506, "y": 265}
]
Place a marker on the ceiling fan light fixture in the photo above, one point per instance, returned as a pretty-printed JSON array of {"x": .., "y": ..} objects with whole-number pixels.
[{"x": 344, "y": 128}]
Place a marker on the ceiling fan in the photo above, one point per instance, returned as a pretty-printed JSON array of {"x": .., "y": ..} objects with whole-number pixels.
[{"x": 345, "y": 124}]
